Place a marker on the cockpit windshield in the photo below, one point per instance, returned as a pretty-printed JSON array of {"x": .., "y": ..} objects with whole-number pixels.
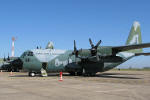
[{"x": 29, "y": 53}]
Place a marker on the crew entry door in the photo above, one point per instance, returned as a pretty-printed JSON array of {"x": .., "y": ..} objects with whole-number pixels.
[{"x": 44, "y": 65}]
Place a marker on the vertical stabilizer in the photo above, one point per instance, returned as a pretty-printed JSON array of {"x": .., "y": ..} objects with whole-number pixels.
[
  {"x": 135, "y": 37},
  {"x": 50, "y": 45}
]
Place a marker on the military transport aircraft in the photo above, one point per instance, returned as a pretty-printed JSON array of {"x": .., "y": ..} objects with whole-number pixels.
[{"x": 83, "y": 61}]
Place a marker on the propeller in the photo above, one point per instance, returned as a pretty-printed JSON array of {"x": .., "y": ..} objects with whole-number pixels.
[
  {"x": 94, "y": 48},
  {"x": 75, "y": 52}
]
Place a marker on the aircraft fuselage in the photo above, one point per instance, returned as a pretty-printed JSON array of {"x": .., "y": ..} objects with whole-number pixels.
[{"x": 59, "y": 60}]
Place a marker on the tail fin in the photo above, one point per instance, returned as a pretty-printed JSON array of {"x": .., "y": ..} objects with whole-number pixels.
[
  {"x": 50, "y": 45},
  {"x": 135, "y": 37}
]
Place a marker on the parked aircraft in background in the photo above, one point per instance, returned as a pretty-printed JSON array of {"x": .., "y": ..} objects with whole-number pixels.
[{"x": 10, "y": 64}]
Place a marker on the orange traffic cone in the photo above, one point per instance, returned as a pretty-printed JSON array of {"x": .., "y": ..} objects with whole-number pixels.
[{"x": 61, "y": 77}]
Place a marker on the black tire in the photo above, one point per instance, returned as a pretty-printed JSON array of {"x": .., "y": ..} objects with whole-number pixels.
[
  {"x": 32, "y": 74},
  {"x": 89, "y": 74},
  {"x": 79, "y": 73},
  {"x": 92, "y": 74},
  {"x": 72, "y": 73}
]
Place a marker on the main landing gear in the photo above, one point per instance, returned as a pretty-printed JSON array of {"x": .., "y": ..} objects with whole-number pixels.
[{"x": 83, "y": 72}]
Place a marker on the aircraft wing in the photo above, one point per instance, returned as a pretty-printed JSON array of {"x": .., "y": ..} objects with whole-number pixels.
[
  {"x": 129, "y": 47},
  {"x": 144, "y": 54}
]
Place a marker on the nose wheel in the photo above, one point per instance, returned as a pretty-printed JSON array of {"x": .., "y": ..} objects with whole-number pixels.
[
  {"x": 32, "y": 74},
  {"x": 85, "y": 73}
]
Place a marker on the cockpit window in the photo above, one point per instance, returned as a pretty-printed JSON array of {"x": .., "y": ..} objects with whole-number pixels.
[
  {"x": 30, "y": 53},
  {"x": 27, "y": 54},
  {"x": 24, "y": 54}
]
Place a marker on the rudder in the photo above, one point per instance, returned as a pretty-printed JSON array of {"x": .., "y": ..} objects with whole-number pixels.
[{"x": 135, "y": 37}]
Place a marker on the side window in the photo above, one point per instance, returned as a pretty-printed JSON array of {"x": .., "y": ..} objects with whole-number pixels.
[
  {"x": 27, "y": 60},
  {"x": 31, "y": 53}
]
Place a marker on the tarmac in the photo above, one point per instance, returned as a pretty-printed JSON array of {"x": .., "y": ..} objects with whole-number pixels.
[{"x": 111, "y": 85}]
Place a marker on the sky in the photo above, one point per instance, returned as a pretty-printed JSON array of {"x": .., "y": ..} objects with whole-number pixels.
[{"x": 36, "y": 22}]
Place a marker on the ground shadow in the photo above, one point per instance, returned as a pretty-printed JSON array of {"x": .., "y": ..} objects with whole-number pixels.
[
  {"x": 119, "y": 74},
  {"x": 38, "y": 75},
  {"x": 120, "y": 77},
  {"x": 101, "y": 75}
]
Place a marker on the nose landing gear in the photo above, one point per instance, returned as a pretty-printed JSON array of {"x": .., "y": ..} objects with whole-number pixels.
[
  {"x": 43, "y": 69},
  {"x": 32, "y": 74}
]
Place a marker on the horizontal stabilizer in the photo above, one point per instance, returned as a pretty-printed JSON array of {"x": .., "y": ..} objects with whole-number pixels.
[
  {"x": 130, "y": 47},
  {"x": 144, "y": 54}
]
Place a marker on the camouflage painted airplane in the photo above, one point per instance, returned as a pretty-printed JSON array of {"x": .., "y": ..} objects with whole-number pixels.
[{"x": 83, "y": 61}]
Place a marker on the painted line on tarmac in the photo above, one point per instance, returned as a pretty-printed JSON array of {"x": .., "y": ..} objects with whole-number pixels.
[{"x": 118, "y": 90}]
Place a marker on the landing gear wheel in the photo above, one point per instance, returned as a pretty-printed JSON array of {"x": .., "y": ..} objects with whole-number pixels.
[
  {"x": 92, "y": 74},
  {"x": 84, "y": 72},
  {"x": 32, "y": 74},
  {"x": 79, "y": 73},
  {"x": 72, "y": 73}
]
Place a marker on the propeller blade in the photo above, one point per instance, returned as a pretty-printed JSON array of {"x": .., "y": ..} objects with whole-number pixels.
[
  {"x": 99, "y": 42},
  {"x": 75, "y": 48},
  {"x": 91, "y": 43}
]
